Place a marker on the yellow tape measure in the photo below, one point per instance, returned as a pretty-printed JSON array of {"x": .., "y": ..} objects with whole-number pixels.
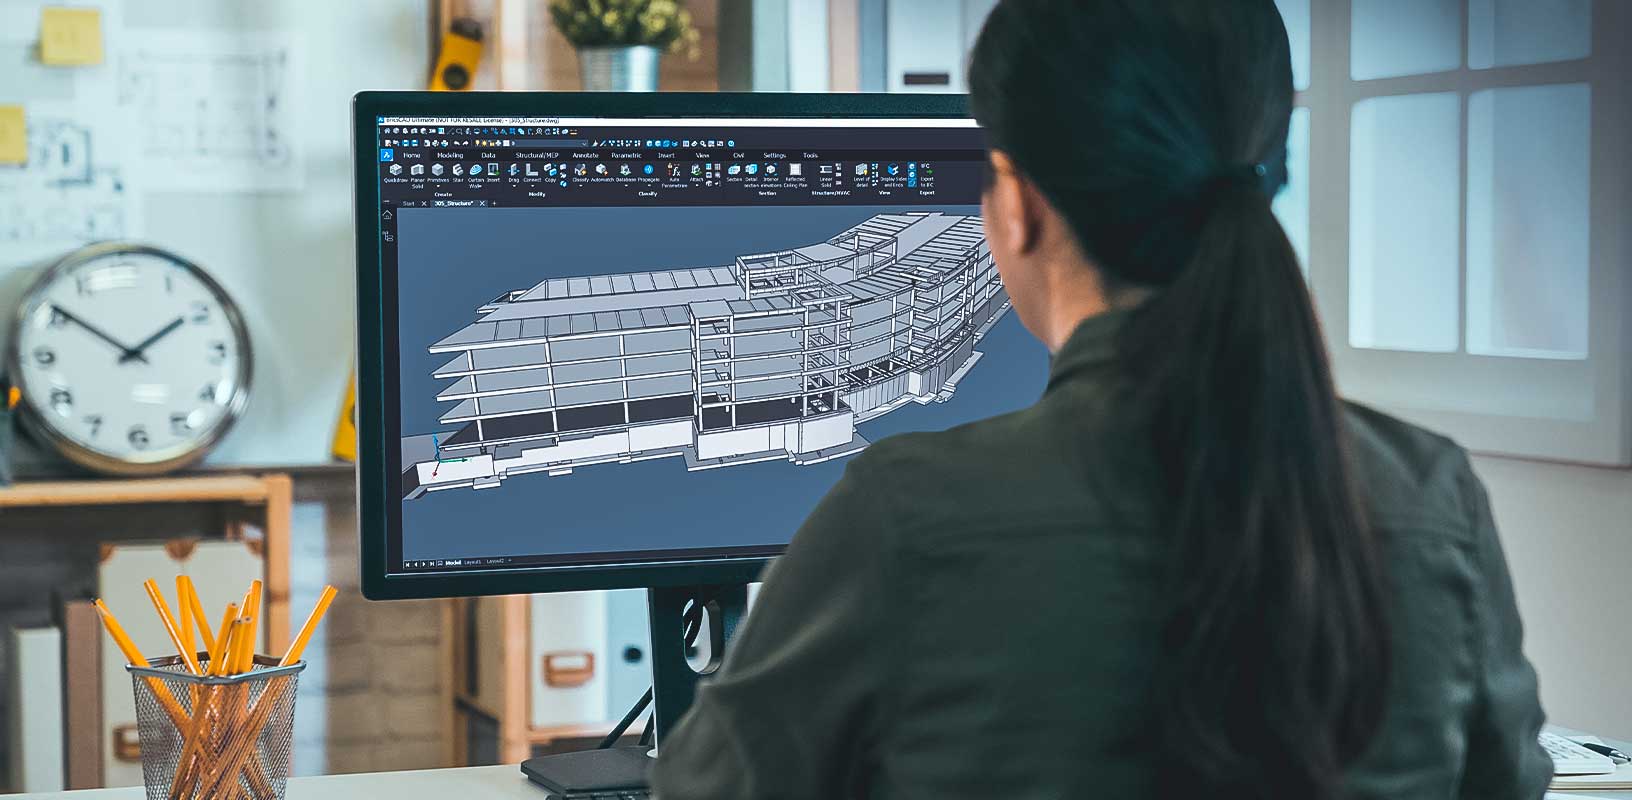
[
  {"x": 345, "y": 431},
  {"x": 455, "y": 69}
]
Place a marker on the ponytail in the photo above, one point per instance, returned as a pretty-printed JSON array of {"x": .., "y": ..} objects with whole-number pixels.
[{"x": 1275, "y": 646}]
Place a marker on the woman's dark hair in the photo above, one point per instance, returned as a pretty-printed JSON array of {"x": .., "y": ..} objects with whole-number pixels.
[{"x": 1157, "y": 129}]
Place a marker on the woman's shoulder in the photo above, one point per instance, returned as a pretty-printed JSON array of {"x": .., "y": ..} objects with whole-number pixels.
[
  {"x": 971, "y": 450},
  {"x": 1016, "y": 471},
  {"x": 1410, "y": 476}
]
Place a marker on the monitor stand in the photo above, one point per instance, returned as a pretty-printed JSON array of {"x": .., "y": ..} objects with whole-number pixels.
[{"x": 674, "y": 684}]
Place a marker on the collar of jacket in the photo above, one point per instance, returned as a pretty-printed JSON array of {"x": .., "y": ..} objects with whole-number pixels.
[{"x": 1092, "y": 344}]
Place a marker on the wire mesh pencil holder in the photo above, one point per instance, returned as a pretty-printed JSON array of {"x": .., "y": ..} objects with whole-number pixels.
[{"x": 223, "y": 738}]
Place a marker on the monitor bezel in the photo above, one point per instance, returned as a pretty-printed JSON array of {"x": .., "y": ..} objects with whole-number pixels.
[{"x": 377, "y": 384}]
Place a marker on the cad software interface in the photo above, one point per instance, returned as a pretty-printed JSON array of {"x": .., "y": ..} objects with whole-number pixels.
[{"x": 648, "y": 340}]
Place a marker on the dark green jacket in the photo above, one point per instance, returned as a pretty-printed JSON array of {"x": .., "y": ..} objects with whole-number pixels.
[{"x": 973, "y": 614}]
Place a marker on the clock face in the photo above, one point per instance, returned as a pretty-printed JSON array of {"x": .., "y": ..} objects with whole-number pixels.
[{"x": 131, "y": 359}]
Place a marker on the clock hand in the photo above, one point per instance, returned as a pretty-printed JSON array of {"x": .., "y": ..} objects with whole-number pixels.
[
  {"x": 124, "y": 352},
  {"x": 139, "y": 352}
]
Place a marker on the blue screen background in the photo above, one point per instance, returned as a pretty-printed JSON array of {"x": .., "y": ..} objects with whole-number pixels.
[{"x": 453, "y": 260}]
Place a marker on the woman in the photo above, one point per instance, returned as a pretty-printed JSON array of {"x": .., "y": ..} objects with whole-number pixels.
[{"x": 1188, "y": 571}]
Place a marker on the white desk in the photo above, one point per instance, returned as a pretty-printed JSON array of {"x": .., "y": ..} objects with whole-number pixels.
[{"x": 504, "y": 782}]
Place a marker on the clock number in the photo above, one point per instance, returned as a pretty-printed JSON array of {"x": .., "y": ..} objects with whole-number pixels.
[
  {"x": 179, "y": 424},
  {"x": 95, "y": 421},
  {"x": 138, "y": 437},
  {"x": 218, "y": 352},
  {"x": 201, "y": 313},
  {"x": 44, "y": 356},
  {"x": 62, "y": 400},
  {"x": 58, "y": 319},
  {"x": 207, "y": 394}
]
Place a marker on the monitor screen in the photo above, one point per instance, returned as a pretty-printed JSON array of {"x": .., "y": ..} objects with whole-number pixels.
[{"x": 659, "y": 340}]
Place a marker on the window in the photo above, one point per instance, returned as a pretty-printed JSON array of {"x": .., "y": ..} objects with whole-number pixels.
[
  {"x": 1404, "y": 174},
  {"x": 1529, "y": 179},
  {"x": 1292, "y": 204},
  {"x": 1464, "y": 228}
]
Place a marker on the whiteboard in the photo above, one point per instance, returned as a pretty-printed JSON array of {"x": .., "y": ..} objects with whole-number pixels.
[{"x": 285, "y": 254}]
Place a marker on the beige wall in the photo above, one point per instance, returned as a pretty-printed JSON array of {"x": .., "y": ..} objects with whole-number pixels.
[{"x": 1568, "y": 535}]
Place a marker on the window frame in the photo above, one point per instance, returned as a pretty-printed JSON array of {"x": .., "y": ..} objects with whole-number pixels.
[{"x": 1429, "y": 388}]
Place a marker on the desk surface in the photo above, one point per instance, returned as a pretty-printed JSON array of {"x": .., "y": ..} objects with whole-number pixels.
[{"x": 503, "y": 782}]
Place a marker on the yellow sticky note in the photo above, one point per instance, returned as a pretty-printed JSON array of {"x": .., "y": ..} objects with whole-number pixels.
[
  {"x": 13, "y": 136},
  {"x": 70, "y": 37}
]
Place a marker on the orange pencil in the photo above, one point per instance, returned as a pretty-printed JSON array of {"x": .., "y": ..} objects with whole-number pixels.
[
  {"x": 218, "y": 654},
  {"x": 242, "y": 745},
  {"x": 191, "y": 761},
  {"x": 199, "y": 617},
  {"x": 120, "y": 638},
  {"x": 298, "y": 646},
  {"x": 184, "y": 614},
  {"x": 173, "y": 709},
  {"x": 252, "y": 609},
  {"x": 187, "y": 656}
]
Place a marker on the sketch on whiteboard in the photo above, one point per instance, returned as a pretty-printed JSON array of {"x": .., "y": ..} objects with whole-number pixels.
[
  {"x": 213, "y": 111},
  {"x": 72, "y": 190}
]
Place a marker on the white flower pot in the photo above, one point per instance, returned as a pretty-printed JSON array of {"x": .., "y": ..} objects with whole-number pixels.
[{"x": 619, "y": 69}]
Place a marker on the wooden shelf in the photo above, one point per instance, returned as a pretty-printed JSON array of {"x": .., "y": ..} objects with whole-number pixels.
[
  {"x": 263, "y": 499},
  {"x": 240, "y": 489}
]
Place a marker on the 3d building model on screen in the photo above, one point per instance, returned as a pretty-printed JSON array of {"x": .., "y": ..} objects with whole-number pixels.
[{"x": 774, "y": 356}]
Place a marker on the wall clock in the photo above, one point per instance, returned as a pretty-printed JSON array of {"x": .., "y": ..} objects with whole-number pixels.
[{"x": 131, "y": 360}]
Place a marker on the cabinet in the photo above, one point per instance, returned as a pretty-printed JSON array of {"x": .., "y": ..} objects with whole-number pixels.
[
  {"x": 543, "y": 673},
  {"x": 252, "y": 540}
]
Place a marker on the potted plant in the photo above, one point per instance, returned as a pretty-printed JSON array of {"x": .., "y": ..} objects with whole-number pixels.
[{"x": 620, "y": 42}]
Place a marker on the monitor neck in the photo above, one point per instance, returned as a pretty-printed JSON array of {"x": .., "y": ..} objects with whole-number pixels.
[{"x": 674, "y": 680}]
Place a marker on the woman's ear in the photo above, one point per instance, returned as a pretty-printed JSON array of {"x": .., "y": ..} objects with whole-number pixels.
[{"x": 1013, "y": 206}]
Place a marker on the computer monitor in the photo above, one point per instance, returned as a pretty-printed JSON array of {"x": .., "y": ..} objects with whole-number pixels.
[{"x": 613, "y": 341}]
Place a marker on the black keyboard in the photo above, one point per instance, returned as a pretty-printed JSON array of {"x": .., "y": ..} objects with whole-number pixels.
[{"x": 625, "y": 794}]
